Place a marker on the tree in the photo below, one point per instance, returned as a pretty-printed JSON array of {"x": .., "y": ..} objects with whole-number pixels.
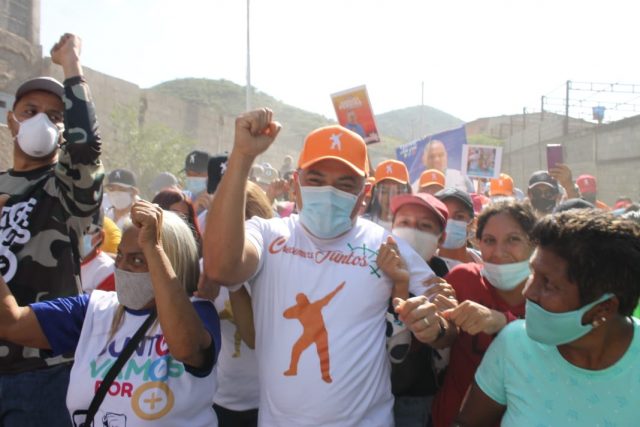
[{"x": 147, "y": 150}]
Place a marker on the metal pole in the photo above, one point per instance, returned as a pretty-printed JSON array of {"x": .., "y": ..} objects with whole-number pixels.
[
  {"x": 248, "y": 88},
  {"x": 566, "y": 109},
  {"x": 422, "y": 131},
  {"x": 542, "y": 108}
]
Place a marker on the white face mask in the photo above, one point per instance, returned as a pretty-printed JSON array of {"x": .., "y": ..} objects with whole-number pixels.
[
  {"x": 424, "y": 243},
  {"x": 506, "y": 277},
  {"x": 38, "y": 136},
  {"x": 134, "y": 290},
  {"x": 120, "y": 199}
]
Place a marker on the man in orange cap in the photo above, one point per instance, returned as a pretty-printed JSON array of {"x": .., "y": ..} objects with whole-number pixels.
[
  {"x": 319, "y": 297},
  {"x": 391, "y": 179},
  {"x": 501, "y": 188},
  {"x": 431, "y": 181}
]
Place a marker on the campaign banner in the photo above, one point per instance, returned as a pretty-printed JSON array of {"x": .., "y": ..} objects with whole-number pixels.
[
  {"x": 442, "y": 151},
  {"x": 481, "y": 161},
  {"x": 354, "y": 112}
]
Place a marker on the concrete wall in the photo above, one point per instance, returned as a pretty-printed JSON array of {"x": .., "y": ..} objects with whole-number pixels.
[{"x": 609, "y": 152}]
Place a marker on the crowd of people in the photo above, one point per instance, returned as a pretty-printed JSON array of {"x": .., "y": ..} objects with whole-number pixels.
[{"x": 325, "y": 293}]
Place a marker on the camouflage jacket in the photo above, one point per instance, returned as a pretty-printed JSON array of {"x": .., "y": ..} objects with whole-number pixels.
[{"x": 42, "y": 222}]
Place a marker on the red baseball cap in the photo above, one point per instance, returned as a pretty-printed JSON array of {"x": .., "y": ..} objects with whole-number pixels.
[
  {"x": 422, "y": 199},
  {"x": 586, "y": 184}
]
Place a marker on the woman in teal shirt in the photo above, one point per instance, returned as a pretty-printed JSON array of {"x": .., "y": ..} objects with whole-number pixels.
[{"x": 574, "y": 360}]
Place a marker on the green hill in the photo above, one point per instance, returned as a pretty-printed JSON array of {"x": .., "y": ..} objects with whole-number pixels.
[
  {"x": 411, "y": 123},
  {"x": 224, "y": 97}
]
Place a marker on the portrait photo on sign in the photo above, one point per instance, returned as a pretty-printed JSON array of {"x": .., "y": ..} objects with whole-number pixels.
[
  {"x": 481, "y": 161},
  {"x": 353, "y": 110}
]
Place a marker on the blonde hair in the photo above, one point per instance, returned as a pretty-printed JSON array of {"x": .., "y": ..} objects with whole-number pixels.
[
  {"x": 257, "y": 202},
  {"x": 180, "y": 247}
]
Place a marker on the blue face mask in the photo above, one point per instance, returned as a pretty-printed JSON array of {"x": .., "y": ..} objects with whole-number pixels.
[
  {"x": 195, "y": 184},
  {"x": 557, "y": 328},
  {"x": 87, "y": 245},
  {"x": 506, "y": 277},
  {"x": 456, "y": 234},
  {"x": 326, "y": 211}
]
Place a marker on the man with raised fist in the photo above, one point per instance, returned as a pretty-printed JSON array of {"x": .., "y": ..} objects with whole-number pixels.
[
  {"x": 54, "y": 187},
  {"x": 319, "y": 293}
]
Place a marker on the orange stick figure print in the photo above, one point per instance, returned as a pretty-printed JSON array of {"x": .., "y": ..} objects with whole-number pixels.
[{"x": 314, "y": 331}]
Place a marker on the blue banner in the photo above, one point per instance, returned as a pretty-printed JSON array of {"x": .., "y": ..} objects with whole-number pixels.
[{"x": 417, "y": 160}]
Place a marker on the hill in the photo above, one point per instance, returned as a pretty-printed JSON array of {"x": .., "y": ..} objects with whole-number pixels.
[
  {"x": 411, "y": 123},
  {"x": 227, "y": 98}
]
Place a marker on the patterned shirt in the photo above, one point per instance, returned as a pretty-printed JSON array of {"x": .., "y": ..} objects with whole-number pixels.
[{"x": 42, "y": 222}]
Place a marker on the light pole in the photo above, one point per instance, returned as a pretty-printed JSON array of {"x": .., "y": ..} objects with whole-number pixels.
[{"x": 248, "y": 88}]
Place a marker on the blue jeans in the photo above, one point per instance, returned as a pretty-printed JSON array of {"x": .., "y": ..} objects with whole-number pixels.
[
  {"x": 36, "y": 398},
  {"x": 409, "y": 411}
]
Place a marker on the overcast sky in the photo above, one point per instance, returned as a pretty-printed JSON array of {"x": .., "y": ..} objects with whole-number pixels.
[{"x": 476, "y": 58}]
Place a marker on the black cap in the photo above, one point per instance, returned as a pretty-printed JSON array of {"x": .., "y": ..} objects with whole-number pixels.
[
  {"x": 216, "y": 168},
  {"x": 47, "y": 84},
  {"x": 543, "y": 177},
  {"x": 462, "y": 196},
  {"x": 573, "y": 204},
  {"x": 121, "y": 177},
  {"x": 196, "y": 161}
]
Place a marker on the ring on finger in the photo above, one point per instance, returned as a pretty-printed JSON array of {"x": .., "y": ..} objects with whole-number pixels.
[{"x": 426, "y": 321}]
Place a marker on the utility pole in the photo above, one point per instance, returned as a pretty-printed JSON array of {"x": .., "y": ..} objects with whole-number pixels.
[
  {"x": 248, "y": 89},
  {"x": 542, "y": 108},
  {"x": 566, "y": 108},
  {"x": 422, "y": 130}
]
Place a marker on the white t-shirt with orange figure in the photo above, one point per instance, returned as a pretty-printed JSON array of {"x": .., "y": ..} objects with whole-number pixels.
[{"x": 319, "y": 311}]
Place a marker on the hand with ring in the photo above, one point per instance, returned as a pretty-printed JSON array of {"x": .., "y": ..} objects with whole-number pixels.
[{"x": 420, "y": 316}]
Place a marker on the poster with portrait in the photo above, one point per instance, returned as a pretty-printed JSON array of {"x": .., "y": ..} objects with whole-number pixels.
[
  {"x": 442, "y": 151},
  {"x": 354, "y": 112},
  {"x": 481, "y": 161}
]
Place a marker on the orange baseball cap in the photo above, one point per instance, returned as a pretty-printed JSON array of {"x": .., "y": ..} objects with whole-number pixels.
[
  {"x": 502, "y": 186},
  {"x": 337, "y": 143},
  {"x": 392, "y": 169},
  {"x": 431, "y": 177}
]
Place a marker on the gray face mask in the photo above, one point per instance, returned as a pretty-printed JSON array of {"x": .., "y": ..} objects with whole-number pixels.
[{"x": 134, "y": 289}]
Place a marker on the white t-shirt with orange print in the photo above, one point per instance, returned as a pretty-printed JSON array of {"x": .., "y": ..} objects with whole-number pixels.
[{"x": 335, "y": 289}]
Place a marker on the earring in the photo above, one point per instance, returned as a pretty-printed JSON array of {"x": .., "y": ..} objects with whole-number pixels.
[{"x": 598, "y": 322}]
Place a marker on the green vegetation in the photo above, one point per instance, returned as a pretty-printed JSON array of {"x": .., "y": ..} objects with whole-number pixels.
[
  {"x": 227, "y": 98},
  {"x": 147, "y": 152},
  {"x": 481, "y": 139}
]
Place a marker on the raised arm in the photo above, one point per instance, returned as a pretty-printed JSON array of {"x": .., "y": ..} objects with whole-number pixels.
[
  {"x": 79, "y": 170},
  {"x": 186, "y": 336},
  {"x": 228, "y": 257},
  {"x": 324, "y": 301}
]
